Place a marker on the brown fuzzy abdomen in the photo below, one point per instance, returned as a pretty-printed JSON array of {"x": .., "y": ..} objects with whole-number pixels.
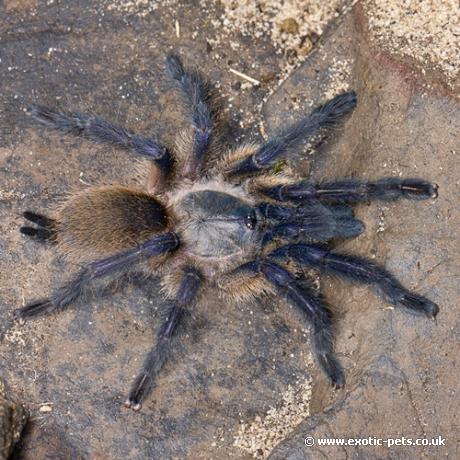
[{"x": 108, "y": 219}]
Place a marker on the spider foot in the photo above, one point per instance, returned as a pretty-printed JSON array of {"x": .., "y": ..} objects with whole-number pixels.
[
  {"x": 132, "y": 405},
  {"x": 419, "y": 305},
  {"x": 338, "y": 384},
  {"x": 332, "y": 369},
  {"x": 140, "y": 389},
  {"x": 337, "y": 379},
  {"x": 34, "y": 309}
]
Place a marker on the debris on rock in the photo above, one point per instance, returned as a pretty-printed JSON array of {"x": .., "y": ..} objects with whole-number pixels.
[
  {"x": 426, "y": 30},
  {"x": 292, "y": 26},
  {"x": 263, "y": 434},
  {"x": 289, "y": 25},
  {"x": 140, "y": 8}
]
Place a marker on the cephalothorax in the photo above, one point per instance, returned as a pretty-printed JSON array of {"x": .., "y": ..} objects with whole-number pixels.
[
  {"x": 218, "y": 224},
  {"x": 203, "y": 222}
]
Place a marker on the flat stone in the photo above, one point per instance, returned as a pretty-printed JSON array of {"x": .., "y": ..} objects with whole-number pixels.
[{"x": 237, "y": 362}]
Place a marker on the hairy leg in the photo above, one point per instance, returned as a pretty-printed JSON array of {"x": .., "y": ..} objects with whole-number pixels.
[
  {"x": 196, "y": 96},
  {"x": 313, "y": 309},
  {"x": 352, "y": 191},
  {"x": 100, "y": 130},
  {"x": 118, "y": 263},
  {"x": 167, "y": 335},
  {"x": 266, "y": 155},
  {"x": 360, "y": 270}
]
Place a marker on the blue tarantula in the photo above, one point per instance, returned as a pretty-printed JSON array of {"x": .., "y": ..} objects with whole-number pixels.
[{"x": 205, "y": 221}]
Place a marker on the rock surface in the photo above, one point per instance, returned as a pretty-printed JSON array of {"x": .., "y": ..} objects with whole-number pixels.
[
  {"x": 12, "y": 421},
  {"x": 401, "y": 370},
  {"x": 401, "y": 378}
]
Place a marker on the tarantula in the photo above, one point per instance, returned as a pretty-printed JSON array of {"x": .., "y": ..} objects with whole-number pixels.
[{"x": 205, "y": 221}]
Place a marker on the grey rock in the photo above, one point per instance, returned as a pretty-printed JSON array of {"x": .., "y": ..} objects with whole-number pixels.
[{"x": 400, "y": 370}]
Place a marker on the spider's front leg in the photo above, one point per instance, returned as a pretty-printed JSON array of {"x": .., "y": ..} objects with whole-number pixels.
[
  {"x": 167, "y": 334},
  {"x": 389, "y": 188},
  {"x": 313, "y": 309},
  {"x": 312, "y": 221}
]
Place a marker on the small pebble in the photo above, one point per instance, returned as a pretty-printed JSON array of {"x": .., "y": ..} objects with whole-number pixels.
[{"x": 289, "y": 26}]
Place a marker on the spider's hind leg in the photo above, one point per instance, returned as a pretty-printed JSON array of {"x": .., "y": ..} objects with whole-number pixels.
[
  {"x": 167, "y": 335},
  {"x": 79, "y": 285},
  {"x": 45, "y": 230}
]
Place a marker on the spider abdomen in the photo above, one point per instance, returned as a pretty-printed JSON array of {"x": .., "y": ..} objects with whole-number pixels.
[{"x": 109, "y": 219}]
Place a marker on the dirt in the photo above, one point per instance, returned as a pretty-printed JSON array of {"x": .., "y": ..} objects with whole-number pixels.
[{"x": 241, "y": 385}]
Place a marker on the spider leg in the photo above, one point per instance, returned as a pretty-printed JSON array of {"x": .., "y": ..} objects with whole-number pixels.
[
  {"x": 360, "y": 270},
  {"x": 313, "y": 309},
  {"x": 98, "y": 129},
  {"x": 312, "y": 221},
  {"x": 195, "y": 93},
  {"x": 352, "y": 191},
  {"x": 46, "y": 230},
  {"x": 280, "y": 213},
  {"x": 39, "y": 219},
  {"x": 322, "y": 117},
  {"x": 41, "y": 234},
  {"x": 79, "y": 285},
  {"x": 167, "y": 335}
]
